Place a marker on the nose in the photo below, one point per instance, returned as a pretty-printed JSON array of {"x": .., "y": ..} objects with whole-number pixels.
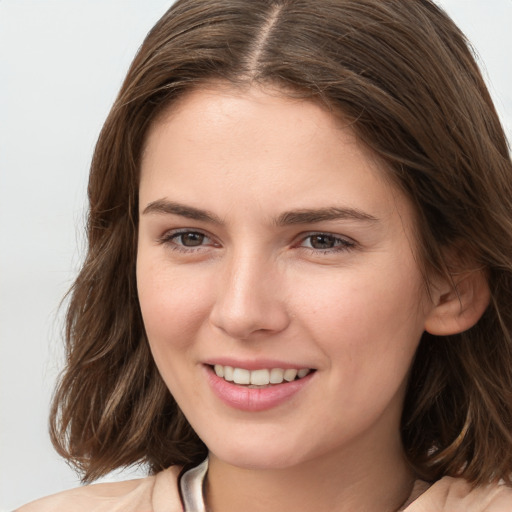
[{"x": 250, "y": 298}]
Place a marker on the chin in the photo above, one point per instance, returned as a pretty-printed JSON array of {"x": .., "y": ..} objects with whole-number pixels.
[{"x": 258, "y": 455}]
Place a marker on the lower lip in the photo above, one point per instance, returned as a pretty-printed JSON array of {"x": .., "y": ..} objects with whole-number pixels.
[{"x": 255, "y": 399}]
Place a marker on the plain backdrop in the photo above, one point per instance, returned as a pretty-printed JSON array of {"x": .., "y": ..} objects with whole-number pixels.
[{"x": 61, "y": 64}]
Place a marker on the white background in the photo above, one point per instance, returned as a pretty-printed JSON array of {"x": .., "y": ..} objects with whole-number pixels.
[{"x": 61, "y": 64}]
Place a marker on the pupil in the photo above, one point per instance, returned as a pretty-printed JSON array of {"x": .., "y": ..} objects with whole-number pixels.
[
  {"x": 192, "y": 239},
  {"x": 322, "y": 242}
]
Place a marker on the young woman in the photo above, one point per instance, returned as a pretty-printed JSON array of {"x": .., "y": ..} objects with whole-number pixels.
[{"x": 298, "y": 284}]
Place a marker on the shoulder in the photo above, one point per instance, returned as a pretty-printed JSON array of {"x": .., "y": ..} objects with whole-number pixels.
[
  {"x": 158, "y": 493},
  {"x": 457, "y": 495}
]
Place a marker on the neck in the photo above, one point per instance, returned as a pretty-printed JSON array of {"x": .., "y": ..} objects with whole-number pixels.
[{"x": 341, "y": 482}]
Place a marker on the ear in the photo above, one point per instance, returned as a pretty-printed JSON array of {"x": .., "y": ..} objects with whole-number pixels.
[{"x": 458, "y": 303}]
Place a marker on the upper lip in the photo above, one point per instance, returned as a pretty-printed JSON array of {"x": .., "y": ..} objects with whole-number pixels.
[{"x": 255, "y": 364}]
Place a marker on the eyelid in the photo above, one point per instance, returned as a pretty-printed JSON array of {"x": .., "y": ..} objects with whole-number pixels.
[
  {"x": 169, "y": 237},
  {"x": 347, "y": 243}
]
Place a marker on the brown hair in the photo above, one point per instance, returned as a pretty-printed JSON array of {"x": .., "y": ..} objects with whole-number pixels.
[{"x": 403, "y": 74}]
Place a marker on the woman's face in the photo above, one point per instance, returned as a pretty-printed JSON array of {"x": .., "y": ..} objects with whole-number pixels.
[{"x": 271, "y": 243}]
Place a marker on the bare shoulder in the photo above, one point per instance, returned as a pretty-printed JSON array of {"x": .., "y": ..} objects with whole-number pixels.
[
  {"x": 457, "y": 495},
  {"x": 142, "y": 495}
]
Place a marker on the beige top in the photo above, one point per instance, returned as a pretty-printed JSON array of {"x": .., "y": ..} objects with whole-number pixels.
[{"x": 160, "y": 493}]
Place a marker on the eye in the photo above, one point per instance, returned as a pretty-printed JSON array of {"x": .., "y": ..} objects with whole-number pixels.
[
  {"x": 186, "y": 240},
  {"x": 326, "y": 242},
  {"x": 191, "y": 239}
]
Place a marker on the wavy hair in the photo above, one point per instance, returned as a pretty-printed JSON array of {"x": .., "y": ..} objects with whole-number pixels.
[{"x": 405, "y": 77}]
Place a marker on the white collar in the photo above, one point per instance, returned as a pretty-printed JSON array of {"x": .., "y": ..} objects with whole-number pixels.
[{"x": 191, "y": 487}]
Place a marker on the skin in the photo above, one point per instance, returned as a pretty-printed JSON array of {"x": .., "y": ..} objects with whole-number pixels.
[{"x": 254, "y": 288}]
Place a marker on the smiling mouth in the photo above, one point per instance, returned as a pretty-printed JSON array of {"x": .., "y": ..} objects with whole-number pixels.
[{"x": 259, "y": 378}]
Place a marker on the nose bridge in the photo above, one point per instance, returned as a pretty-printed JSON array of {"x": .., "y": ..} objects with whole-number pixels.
[{"x": 248, "y": 297}]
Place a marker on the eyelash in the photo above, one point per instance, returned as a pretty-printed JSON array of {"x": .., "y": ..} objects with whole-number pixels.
[
  {"x": 341, "y": 244},
  {"x": 170, "y": 237}
]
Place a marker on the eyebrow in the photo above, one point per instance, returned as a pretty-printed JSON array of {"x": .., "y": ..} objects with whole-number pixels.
[
  {"x": 301, "y": 216},
  {"x": 189, "y": 212},
  {"x": 311, "y": 216}
]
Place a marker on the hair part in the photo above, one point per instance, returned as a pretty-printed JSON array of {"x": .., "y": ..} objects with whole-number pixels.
[{"x": 402, "y": 74}]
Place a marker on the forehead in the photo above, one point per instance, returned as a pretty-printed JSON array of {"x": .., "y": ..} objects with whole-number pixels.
[
  {"x": 219, "y": 107},
  {"x": 258, "y": 144}
]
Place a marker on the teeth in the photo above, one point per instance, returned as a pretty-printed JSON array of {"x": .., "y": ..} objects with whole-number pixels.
[
  {"x": 290, "y": 375},
  {"x": 241, "y": 376},
  {"x": 276, "y": 376},
  {"x": 261, "y": 377},
  {"x": 228, "y": 373}
]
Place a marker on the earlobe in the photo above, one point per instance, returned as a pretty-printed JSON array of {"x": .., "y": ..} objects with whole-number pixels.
[{"x": 459, "y": 305}]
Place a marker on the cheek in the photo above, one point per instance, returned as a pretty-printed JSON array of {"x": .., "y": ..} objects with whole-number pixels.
[
  {"x": 173, "y": 306},
  {"x": 370, "y": 321}
]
